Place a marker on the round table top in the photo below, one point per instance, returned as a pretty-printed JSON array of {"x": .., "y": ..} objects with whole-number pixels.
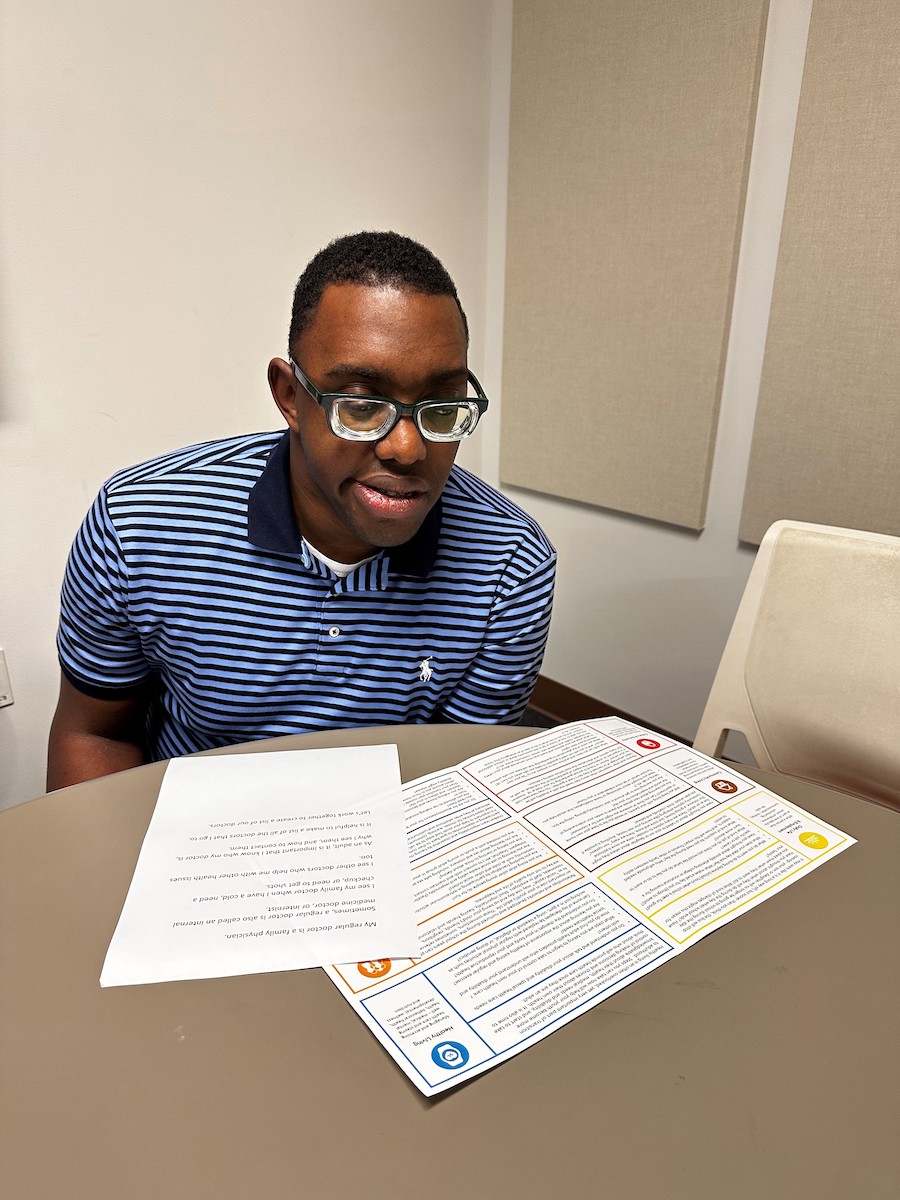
[{"x": 762, "y": 1062}]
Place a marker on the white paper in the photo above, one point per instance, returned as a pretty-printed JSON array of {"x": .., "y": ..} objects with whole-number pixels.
[
  {"x": 551, "y": 873},
  {"x": 268, "y": 862}
]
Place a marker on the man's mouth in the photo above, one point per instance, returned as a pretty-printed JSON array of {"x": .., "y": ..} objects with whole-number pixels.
[{"x": 390, "y": 497}]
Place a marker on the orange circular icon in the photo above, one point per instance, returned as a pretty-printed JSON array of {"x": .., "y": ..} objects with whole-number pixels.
[
  {"x": 724, "y": 785},
  {"x": 374, "y": 968}
]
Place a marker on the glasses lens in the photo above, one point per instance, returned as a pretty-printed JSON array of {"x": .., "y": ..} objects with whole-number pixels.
[
  {"x": 363, "y": 416},
  {"x": 449, "y": 421}
]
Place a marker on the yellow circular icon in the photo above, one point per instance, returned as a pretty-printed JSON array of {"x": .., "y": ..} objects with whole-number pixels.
[{"x": 815, "y": 841}]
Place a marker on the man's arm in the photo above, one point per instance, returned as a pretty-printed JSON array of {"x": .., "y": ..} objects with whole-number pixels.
[
  {"x": 91, "y": 737},
  {"x": 98, "y": 728},
  {"x": 497, "y": 685}
]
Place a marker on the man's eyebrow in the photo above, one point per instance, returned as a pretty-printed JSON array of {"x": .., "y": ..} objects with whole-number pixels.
[{"x": 371, "y": 375}]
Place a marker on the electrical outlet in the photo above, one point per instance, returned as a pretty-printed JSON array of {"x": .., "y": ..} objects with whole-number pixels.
[{"x": 6, "y": 695}]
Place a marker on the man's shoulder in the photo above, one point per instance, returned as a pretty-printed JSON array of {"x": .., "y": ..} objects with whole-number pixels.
[
  {"x": 236, "y": 460},
  {"x": 473, "y": 508}
]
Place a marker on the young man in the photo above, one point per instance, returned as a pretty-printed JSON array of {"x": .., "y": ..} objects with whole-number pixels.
[{"x": 341, "y": 573}]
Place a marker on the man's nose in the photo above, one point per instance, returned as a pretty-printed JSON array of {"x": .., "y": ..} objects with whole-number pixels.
[{"x": 404, "y": 444}]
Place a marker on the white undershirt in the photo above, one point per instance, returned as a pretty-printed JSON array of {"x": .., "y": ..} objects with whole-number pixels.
[{"x": 342, "y": 570}]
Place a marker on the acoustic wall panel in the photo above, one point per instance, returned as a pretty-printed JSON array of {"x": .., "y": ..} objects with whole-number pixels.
[
  {"x": 630, "y": 132},
  {"x": 826, "y": 446}
]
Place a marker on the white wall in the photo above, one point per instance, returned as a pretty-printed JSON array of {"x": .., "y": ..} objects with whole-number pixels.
[
  {"x": 643, "y": 610},
  {"x": 166, "y": 170}
]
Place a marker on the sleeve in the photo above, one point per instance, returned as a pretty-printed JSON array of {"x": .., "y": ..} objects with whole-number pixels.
[
  {"x": 497, "y": 685},
  {"x": 99, "y": 648}
]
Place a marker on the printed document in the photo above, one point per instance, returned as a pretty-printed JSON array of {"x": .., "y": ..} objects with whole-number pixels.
[
  {"x": 268, "y": 862},
  {"x": 551, "y": 873}
]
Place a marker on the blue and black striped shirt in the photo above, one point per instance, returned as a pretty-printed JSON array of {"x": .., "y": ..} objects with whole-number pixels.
[{"x": 189, "y": 575}]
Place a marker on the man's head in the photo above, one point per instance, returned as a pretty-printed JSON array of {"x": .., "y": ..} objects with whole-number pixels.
[
  {"x": 375, "y": 315},
  {"x": 386, "y": 260}
]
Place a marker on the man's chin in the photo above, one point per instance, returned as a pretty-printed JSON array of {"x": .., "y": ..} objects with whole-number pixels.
[{"x": 383, "y": 535}]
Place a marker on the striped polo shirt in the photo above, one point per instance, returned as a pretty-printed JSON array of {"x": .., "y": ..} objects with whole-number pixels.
[{"x": 189, "y": 577}]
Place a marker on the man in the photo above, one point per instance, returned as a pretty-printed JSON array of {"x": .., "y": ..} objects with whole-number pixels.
[{"x": 341, "y": 573}]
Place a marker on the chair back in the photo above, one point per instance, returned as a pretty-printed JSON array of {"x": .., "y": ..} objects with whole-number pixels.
[{"x": 811, "y": 671}]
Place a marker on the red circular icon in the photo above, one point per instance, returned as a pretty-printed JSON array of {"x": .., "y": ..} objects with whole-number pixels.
[
  {"x": 648, "y": 744},
  {"x": 724, "y": 785}
]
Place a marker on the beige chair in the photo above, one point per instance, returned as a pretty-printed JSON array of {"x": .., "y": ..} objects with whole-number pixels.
[{"x": 810, "y": 674}]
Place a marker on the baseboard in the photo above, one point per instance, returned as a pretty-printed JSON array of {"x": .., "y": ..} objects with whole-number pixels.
[{"x": 562, "y": 703}]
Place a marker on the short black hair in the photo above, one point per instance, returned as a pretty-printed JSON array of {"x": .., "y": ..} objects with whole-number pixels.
[{"x": 375, "y": 259}]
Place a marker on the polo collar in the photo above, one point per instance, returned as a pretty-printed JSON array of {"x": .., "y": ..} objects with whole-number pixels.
[{"x": 272, "y": 525}]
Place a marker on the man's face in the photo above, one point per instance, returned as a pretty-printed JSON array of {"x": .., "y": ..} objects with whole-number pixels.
[{"x": 353, "y": 497}]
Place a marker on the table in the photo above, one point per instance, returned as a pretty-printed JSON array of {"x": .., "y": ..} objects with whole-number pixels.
[{"x": 763, "y": 1062}]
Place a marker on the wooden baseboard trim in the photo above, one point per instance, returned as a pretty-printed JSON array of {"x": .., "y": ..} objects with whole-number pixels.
[{"x": 562, "y": 703}]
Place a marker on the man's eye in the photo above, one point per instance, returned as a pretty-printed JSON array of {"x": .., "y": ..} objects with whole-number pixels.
[{"x": 363, "y": 415}]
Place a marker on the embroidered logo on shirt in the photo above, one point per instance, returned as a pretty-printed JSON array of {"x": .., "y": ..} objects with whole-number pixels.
[{"x": 425, "y": 671}]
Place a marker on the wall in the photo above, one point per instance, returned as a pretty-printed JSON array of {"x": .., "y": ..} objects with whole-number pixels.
[
  {"x": 643, "y": 610},
  {"x": 166, "y": 171},
  {"x": 827, "y": 437}
]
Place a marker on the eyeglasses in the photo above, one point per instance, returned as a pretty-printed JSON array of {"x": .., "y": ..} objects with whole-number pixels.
[{"x": 361, "y": 418}]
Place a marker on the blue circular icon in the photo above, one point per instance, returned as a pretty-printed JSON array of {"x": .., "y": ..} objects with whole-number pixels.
[{"x": 450, "y": 1055}]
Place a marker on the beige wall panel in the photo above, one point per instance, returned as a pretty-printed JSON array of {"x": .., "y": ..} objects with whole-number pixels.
[
  {"x": 826, "y": 446},
  {"x": 629, "y": 141}
]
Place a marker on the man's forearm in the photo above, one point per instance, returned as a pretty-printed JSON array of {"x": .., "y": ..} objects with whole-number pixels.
[{"x": 77, "y": 757}]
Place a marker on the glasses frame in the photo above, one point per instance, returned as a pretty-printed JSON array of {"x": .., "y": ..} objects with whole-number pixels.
[{"x": 328, "y": 402}]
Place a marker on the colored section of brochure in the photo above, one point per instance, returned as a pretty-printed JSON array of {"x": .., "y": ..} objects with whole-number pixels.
[{"x": 551, "y": 873}]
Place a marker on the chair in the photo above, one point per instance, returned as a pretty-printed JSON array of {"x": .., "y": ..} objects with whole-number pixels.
[{"x": 810, "y": 674}]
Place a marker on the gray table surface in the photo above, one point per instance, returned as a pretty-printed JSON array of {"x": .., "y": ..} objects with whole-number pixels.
[{"x": 763, "y": 1062}]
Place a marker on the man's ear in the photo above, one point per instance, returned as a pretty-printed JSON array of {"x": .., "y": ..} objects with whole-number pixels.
[{"x": 283, "y": 386}]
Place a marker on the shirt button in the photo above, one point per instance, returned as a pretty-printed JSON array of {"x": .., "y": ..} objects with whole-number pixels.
[{"x": 334, "y": 631}]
